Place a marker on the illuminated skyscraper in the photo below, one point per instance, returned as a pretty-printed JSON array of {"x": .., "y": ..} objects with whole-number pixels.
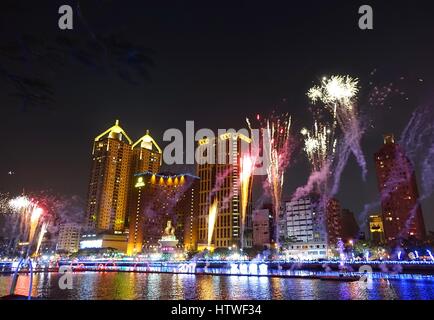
[
  {"x": 109, "y": 180},
  {"x": 146, "y": 155},
  {"x": 159, "y": 198},
  {"x": 334, "y": 221},
  {"x": 220, "y": 179},
  {"x": 401, "y": 211},
  {"x": 115, "y": 159}
]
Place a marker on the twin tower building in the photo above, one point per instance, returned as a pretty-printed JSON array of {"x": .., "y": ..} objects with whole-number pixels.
[{"x": 129, "y": 195}]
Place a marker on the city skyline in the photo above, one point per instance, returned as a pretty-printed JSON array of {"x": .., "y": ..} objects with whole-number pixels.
[
  {"x": 153, "y": 197},
  {"x": 197, "y": 151}
]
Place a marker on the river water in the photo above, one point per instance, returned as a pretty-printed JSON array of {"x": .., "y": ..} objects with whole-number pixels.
[{"x": 151, "y": 286}]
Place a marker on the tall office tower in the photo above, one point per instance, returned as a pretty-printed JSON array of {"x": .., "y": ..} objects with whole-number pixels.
[
  {"x": 401, "y": 211},
  {"x": 159, "y": 198},
  {"x": 219, "y": 173},
  {"x": 350, "y": 228},
  {"x": 334, "y": 222},
  {"x": 376, "y": 230},
  {"x": 109, "y": 180},
  {"x": 146, "y": 157}
]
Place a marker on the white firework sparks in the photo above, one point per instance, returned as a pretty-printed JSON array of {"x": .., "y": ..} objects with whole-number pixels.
[
  {"x": 336, "y": 89},
  {"x": 319, "y": 145},
  {"x": 339, "y": 94}
]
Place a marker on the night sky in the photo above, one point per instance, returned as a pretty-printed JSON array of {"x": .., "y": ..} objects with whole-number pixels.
[{"x": 211, "y": 62}]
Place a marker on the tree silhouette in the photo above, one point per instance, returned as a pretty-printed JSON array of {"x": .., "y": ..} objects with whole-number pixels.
[{"x": 29, "y": 58}]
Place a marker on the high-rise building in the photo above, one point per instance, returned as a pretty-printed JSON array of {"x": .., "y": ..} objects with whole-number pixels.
[
  {"x": 69, "y": 237},
  {"x": 302, "y": 221},
  {"x": 334, "y": 221},
  {"x": 401, "y": 211},
  {"x": 302, "y": 228},
  {"x": 159, "y": 198},
  {"x": 350, "y": 228},
  {"x": 219, "y": 173},
  {"x": 262, "y": 227},
  {"x": 115, "y": 159},
  {"x": 376, "y": 229},
  {"x": 109, "y": 180},
  {"x": 146, "y": 157}
]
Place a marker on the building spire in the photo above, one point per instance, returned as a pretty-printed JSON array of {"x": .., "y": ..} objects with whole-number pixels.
[
  {"x": 389, "y": 138},
  {"x": 115, "y": 130}
]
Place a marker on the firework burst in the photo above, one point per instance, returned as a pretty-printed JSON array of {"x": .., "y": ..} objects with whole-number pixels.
[
  {"x": 25, "y": 218},
  {"x": 339, "y": 95},
  {"x": 319, "y": 145}
]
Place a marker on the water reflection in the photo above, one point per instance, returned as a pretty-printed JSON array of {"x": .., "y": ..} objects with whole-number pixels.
[{"x": 152, "y": 286}]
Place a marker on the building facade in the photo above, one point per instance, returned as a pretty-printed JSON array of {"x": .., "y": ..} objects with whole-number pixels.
[
  {"x": 146, "y": 157},
  {"x": 302, "y": 221},
  {"x": 115, "y": 159},
  {"x": 116, "y": 241},
  {"x": 109, "y": 180},
  {"x": 69, "y": 238},
  {"x": 159, "y": 198},
  {"x": 334, "y": 221},
  {"x": 219, "y": 169},
  {"x": 401, "y": 211}
]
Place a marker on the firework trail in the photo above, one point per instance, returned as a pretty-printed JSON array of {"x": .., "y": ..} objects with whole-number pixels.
[
  {"x": 417, "y": 145},
  {"x": 320, "y": 146},
  {"x": 212, "y": 218},
  {"x": 22, "y": 208},
  {"x": 25, "y": 216},
  {"x": 417, "y": 140},
  {"x": 34, "y": 222},
  {"x": 247, "y": 168},
  {"x": 317, "y": 181},
  {"x": 338, "y": 94},
  {"x": 41, "y": 237},
  {"x": 277, "y": 155}
]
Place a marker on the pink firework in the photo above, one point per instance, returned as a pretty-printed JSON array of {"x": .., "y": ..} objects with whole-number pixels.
[{"x": 277, "y": 155}]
